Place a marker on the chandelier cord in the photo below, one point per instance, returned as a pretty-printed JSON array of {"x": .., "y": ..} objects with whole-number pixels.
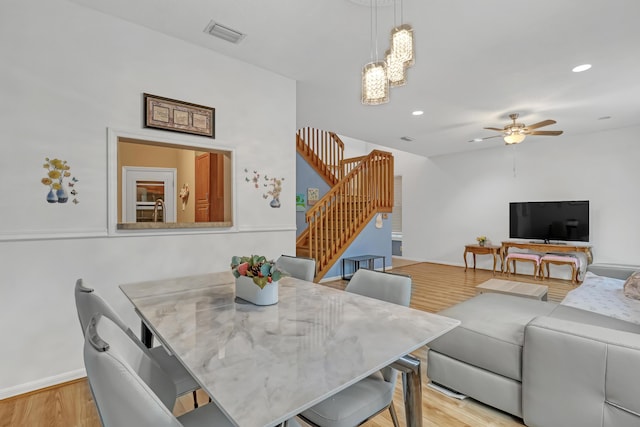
[
  {"x": 395, "y": 18},
  {"x": 371, "y": 29},
  {"x": 376, "y": 31}
]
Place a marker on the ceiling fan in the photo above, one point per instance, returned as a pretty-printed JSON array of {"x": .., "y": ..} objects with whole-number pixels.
[{"x": 515, "y": 133}]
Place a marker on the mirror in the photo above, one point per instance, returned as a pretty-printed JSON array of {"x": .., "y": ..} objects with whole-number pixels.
[{"x": 163, "y": 185}]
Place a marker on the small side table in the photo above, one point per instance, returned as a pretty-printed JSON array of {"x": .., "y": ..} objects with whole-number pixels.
[
  {"x": 482, "y": 250},
  {"x": 357, "y": 260}
]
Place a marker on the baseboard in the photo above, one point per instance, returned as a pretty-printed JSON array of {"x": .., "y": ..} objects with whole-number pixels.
[{"x": 5, "y": 393}]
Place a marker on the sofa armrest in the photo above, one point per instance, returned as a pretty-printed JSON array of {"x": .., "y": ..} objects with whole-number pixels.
[{"x": 579, "y": 374}]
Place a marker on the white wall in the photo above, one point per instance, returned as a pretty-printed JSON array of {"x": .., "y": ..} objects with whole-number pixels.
[
  {"x": 67, "y": 74},
  {"x": 449, "y": 200}
]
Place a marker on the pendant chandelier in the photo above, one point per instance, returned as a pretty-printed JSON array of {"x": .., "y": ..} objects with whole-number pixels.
[
  {"x": 402, "y": 44},
  {"x": 395, "y": 70},
  {"x": 375, "y": 80},
  {"x": 378, "y": 76}
]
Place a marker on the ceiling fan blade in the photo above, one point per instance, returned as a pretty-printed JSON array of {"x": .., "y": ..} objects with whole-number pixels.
[
  {"x": 496, "y": 129},
  {"x": 540, "y": 124},
  {"x": 545, "y": 132},
  {"x": 482, "y": 139}
]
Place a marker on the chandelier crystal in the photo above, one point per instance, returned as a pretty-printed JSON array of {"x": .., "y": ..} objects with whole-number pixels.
[
  {"x": 395, "y": 70},
  {"x": 402, "y": 44},
  {"x": 375, "y": 83}
]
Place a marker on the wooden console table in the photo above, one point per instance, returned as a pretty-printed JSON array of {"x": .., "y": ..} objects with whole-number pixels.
[
  {"x": 546, "y": 248},
  {"x": 483, "y": 250}
]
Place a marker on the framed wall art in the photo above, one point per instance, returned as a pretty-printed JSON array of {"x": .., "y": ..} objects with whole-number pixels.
[
  {"x": 178, "y": 116},
  {"x": 313, "y": 195}
]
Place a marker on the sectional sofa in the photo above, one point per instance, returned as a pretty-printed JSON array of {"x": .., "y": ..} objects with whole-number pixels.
[{"x": 550, "y": 364}]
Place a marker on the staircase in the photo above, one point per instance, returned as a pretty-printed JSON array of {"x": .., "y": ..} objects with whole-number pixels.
[{"x": 361, "y": 188}]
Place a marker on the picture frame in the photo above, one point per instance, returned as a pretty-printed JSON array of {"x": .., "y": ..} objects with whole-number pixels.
[
  {"x": 313, "y": 195},
  {"x": 178, "y": 116}
]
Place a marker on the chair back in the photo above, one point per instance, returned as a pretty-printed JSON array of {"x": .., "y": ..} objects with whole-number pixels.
[
  {"x": 116, "y": 378},
  {"x": 88, "y": 303},
  {"x": 389, "y": 287},
  {"x": 394, "y": 288},
  {"x": 299, "y": 267}
]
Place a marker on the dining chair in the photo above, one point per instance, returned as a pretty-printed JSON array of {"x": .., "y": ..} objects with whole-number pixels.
[
  {"x": 88, "y": 303},
  {"x": 372, "y": 395},
  {"x": 299, "y": 267},
  {"x": 130, "y": 389}
]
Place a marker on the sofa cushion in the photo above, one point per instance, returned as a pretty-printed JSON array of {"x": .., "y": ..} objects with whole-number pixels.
[{"x": 492, "y": 331}]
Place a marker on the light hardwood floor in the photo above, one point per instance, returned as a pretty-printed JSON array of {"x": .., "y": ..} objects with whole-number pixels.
[{"x": 435, "y": 287}]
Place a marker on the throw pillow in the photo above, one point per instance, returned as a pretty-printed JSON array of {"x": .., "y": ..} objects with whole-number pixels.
[{"x": 632, "y": 286}]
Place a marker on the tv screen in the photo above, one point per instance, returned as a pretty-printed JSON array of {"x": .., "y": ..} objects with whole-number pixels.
[{"x": 564, "y": 220}]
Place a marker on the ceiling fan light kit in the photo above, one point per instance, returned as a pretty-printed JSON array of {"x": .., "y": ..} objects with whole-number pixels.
[{"x": 514, "y": 138}]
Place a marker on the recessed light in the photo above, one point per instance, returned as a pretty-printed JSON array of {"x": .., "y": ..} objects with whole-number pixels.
[
  {"x": 418, "y": 113},
  {"x": 581, "y": 68},
  {"x": 476, "y": 140}
]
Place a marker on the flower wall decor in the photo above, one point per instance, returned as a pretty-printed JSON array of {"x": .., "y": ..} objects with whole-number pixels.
[
  {"x": 57, "y": 171},
  {"x": 271, "y": 186}
]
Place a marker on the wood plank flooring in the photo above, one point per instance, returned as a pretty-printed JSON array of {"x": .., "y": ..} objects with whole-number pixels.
[{"x": 435, "y": 287}]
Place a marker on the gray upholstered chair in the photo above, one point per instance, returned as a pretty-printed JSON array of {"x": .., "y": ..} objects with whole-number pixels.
[
  {"x": 372, "y": 395},
  {"x": 89, "y": 303},
  {"x": 130, "y": 389},
  {"x": 298, "y": 267}
]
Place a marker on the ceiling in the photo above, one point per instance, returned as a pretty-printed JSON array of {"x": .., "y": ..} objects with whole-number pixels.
[{"x": 477, "y": 61}]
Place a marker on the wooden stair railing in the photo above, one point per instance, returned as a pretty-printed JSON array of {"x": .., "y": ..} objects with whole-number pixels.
[
  {"x": 323, "y": 150},
  {"x": 337, "y": 218}
]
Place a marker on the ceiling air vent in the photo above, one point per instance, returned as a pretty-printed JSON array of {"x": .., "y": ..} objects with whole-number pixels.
[
  {"x": 224, "y": 33},
  {"x": 406, "y": 138}
]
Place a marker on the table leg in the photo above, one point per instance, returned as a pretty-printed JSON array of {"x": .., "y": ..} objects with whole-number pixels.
[
  {"x": 465, "y": 260},
  {"x": 474, "y": 260},
  {"x": 384, "y": 268},
  {"x": 145, "y": 335},
  {"x": 412, "y": 388},
  {"x": 494, "y": 263}
]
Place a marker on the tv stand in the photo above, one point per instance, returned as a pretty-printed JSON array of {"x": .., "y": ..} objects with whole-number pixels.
[{"x": 545, "y": 247}]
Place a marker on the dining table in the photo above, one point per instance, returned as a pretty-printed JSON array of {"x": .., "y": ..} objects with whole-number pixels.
[{"x": 262, "y": 365}]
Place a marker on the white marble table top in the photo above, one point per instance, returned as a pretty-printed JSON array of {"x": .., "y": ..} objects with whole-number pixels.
[{"x": 263, "y": 365}]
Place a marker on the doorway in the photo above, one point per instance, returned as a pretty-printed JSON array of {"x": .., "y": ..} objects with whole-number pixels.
[{"x": 148, "y": 194}]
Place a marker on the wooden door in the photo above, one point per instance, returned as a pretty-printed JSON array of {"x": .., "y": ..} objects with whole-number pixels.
[{"x": 209, "y": 191}]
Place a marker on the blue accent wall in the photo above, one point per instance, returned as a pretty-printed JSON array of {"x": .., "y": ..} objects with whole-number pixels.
[
  {"x": 306, "y": 177},
  {"x": 371, "y": 241}
]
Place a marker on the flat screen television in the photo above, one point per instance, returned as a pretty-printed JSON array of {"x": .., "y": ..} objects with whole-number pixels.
[{"x": 547, "y": 221}]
